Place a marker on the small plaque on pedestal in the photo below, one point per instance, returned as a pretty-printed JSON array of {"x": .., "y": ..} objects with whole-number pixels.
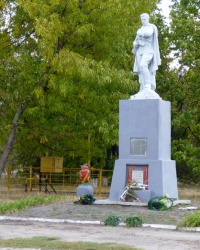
[{"x": 139, "y": 146}]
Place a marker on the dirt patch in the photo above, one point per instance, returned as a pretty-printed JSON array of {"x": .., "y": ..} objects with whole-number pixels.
[{"x": 69, "y": 210}]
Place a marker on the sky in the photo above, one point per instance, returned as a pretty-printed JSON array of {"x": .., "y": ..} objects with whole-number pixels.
[
  {"x": 165, "y": 7},
  {"x": 166, "y": 10}
]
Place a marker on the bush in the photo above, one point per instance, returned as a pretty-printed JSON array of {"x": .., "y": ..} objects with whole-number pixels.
[
  {"x": 133, "y": 221},
  {"x": 112, "y": 220},
  {"x": 87, "y": 199},
  {"x": 191, "y": 220}
]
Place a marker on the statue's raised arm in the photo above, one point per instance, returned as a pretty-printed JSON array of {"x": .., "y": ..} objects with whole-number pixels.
[{"x": 147, "y": 58}]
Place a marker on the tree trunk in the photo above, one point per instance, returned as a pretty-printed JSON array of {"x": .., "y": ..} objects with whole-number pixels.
[{"x": 11, "y": 138}]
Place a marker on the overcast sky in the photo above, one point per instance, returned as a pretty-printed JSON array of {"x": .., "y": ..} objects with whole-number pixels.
[{"x": 165, "y": 7}]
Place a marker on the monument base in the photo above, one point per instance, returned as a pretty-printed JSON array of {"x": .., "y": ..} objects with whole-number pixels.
[
  {"x": 145, "y": 147},
  {"x": 143, "y": 195},
  {"x": 84, "y": 189},
  {"x": 161, "y": 178}
]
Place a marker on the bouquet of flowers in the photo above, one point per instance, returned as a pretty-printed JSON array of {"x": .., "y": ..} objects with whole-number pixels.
[{"x": 129, "y": 195}]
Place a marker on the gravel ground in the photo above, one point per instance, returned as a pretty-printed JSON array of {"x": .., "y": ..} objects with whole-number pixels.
[{"x": 69, "y": 210}]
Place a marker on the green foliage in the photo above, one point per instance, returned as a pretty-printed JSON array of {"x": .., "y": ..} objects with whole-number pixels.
[
  {"x": 133, "y": 221},
  {"x": 68, "y": 65},
  {"x": 191, "y": 220},
  {"x": 130, "y": 221},
  {"x": 8, "y": 207},
  {"x": 185, "y": 41},
  {"x": 55, "y": 243},
  {"x": 87, "y": 199},
  {"x": 112, "y": 220},
  {"x": 179, "y": 42}
]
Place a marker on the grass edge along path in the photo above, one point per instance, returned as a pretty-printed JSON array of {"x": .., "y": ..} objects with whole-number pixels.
[
  {"x": 19, "y": 205},
  {"x": 55, "y": 243},
  {"x": 192, "y": 220}
]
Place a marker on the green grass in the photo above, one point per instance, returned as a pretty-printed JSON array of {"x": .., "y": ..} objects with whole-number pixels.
[
  {"x": 56, "y": 244},
  {"x": 191, "y": 220},
  {"x": 19, "y": 205}
]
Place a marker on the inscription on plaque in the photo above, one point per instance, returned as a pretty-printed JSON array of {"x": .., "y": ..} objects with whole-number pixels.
[
  {"x": 138, "y": 176},
  {"x": 139, "y": 146}
]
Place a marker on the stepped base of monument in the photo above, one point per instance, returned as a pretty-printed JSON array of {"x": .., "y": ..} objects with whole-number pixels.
[
  {"x": 142, "y": 195},
  {"x": 140, "y": 204}
]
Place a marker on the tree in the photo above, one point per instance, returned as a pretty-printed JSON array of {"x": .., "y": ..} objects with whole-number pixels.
[
  {"x": 184, "y": 89},
  {"x": 66, "y": 64}
]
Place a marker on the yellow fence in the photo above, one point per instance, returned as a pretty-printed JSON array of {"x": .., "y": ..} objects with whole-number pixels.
[{"x": 31, "y": 179}]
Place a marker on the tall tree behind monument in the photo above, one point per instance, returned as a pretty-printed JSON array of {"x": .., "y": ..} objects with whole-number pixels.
[
  {"x": 179, "y": 83},
  {"x": 60, "y": 59},
  {"x": 185, "y": 41}
]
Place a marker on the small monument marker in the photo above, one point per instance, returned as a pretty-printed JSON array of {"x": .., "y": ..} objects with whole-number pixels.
[{"x": 85, "y": 187}]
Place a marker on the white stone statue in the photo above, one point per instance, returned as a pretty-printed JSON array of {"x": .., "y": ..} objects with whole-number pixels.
[{"x": 147, "y": 58}]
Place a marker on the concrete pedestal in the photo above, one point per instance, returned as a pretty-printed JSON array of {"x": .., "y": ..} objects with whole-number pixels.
[
  {"x": 145, "y": 143},
  {"x": 84, "y": 189}
]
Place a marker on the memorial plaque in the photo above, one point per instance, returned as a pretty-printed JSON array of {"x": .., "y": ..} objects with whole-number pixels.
[
  {"x": 137, "y": 173},
  {"x": 139, "y": 146},
  {"x": 138, "y": 176}
]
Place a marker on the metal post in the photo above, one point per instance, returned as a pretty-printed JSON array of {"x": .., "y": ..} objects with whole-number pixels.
[
  {"x": 63, "y": 182},
  {"x": 8, "y": 178},
  {"x": 31, "y": 175},
  {"x": 89, "y": 152},
  {"x": 40, "y": 182},
  {"x": 100, "y": 182}
]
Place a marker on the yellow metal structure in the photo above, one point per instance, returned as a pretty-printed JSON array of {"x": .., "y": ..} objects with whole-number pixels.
[
  {"x": 67, "y": 181},
  {"x": 51, "y": 164}
]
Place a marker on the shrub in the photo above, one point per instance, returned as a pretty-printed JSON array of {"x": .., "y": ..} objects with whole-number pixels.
[
  {"x": 112, "y": 220},
  {"x": 133, "y": 221},
  {"x": 191, "y": 220},
  {"x": 87, "y": 199}
]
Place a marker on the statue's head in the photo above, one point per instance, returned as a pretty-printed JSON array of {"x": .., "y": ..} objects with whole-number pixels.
[{"x": 144, "y": 18}]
